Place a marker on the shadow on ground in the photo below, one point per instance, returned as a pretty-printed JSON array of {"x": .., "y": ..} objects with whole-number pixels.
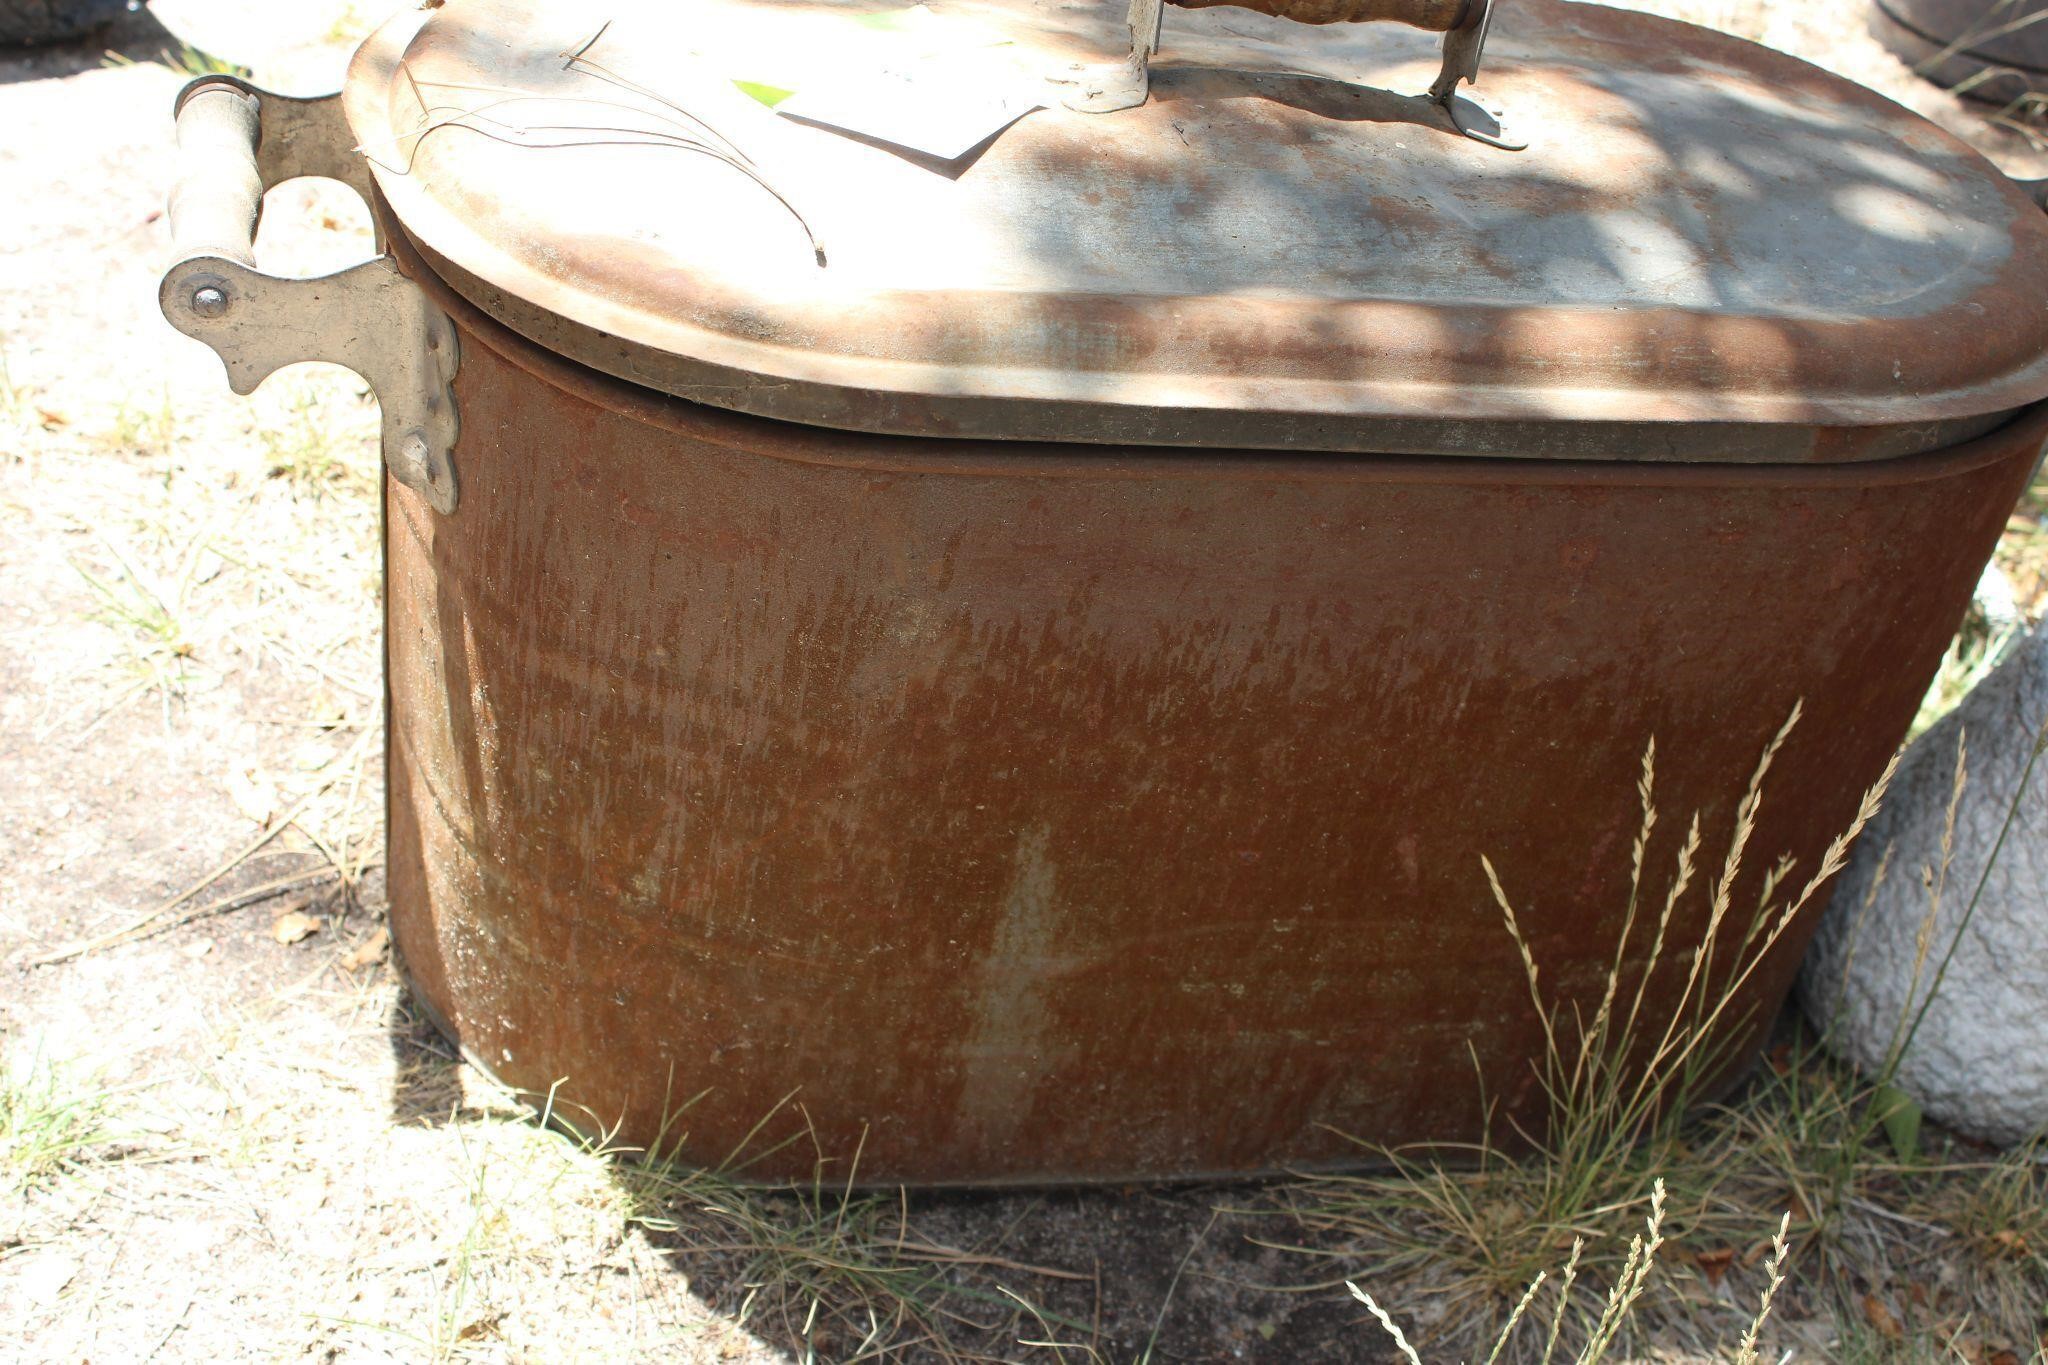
[
  {"x": 1189, "y": 1273},
  {"x": 137, "y": 36}
]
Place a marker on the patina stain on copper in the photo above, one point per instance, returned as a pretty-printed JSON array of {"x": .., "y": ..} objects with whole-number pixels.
[{"x": 1037, "y": 815}]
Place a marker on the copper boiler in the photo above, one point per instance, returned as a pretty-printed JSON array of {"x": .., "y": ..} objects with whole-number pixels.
[{"x": 1007, "y": 662}]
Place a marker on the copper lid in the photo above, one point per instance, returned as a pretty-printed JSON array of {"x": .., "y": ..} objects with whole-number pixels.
[{"x": 1706, "y": 250}]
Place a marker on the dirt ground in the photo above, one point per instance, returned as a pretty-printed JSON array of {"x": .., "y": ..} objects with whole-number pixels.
[{"x": 283, "y": 1160}]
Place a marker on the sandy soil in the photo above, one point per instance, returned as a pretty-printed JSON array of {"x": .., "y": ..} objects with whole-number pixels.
[{"x": 287, "y": 1162}]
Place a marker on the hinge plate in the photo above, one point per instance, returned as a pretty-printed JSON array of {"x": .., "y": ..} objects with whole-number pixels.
[{"x": 369, "y": 317}]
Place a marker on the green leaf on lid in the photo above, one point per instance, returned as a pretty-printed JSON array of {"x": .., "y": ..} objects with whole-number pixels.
[{"x": 770, "y": 95}]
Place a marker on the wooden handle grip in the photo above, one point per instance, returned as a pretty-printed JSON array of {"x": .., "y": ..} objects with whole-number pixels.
[
  {"x": 219, "y": 194},
  {"x": 1438, "y": 16}
]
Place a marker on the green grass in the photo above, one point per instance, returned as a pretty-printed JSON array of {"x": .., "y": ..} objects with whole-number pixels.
[
  {"x": 349, "y": 27},
  {"x": 142, "y": 429},
  {"x": 146, "y": 616},
  {"x": 187, "y": 61},
  {"x": 314, "y": 453},
  {"x": 1979, "y": 647},
  {"x": 51, "y": 1122}
]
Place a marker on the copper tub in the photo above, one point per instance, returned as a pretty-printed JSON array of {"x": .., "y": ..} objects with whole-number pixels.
[{"x": 1013, "y": 810}]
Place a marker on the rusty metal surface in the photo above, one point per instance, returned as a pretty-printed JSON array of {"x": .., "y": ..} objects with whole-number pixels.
[
  {"x": 1685, "y": 442},
  {"x": 1700, "y": 230},
  {"x": 1056, "y": 814}
]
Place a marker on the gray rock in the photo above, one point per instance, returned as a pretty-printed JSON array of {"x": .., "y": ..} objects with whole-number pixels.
[{"x": 1979, "y": 1062}]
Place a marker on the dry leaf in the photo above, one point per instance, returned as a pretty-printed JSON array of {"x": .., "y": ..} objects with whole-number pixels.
[
  {"x": 1781, "y": 1059},
  {"x": 52, "y": 419},
  {"x": 2002, "y": 1358},
  {"x": 369, "y": 952},
  {"x": 2009, "y": 1242},
  {"x": 478, "y": 1328},
  {"x": 313, "y": 754},
  {"x": 1881, "y": 1318},
  {"x": 1714, "y": 1264},
  {"x": 254, "y": 795},
  {"x": 294, "y": 925},
  {"x": 195, "y": 951}
]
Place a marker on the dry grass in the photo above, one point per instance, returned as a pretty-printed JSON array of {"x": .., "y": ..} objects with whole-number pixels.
[
  {"x": 1932, "y": 1255},
  {"x": 2016, "y": 601},
  {"x": 1898, "y": 1254},
  {"x": 1614, "y": 1311},
  {"x": 2025, "y": 112},
  {"x": 848, "y": 1275}
]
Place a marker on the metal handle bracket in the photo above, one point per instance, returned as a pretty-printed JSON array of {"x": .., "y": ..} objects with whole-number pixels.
[
  {"x": 369, "y": 317},
  {"x": 235, "y": 141}
]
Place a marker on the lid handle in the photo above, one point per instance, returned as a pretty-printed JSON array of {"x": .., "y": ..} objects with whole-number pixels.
[
  {"x": 1124, "y": 85},
  {"x": 1438, "y": 16}
]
